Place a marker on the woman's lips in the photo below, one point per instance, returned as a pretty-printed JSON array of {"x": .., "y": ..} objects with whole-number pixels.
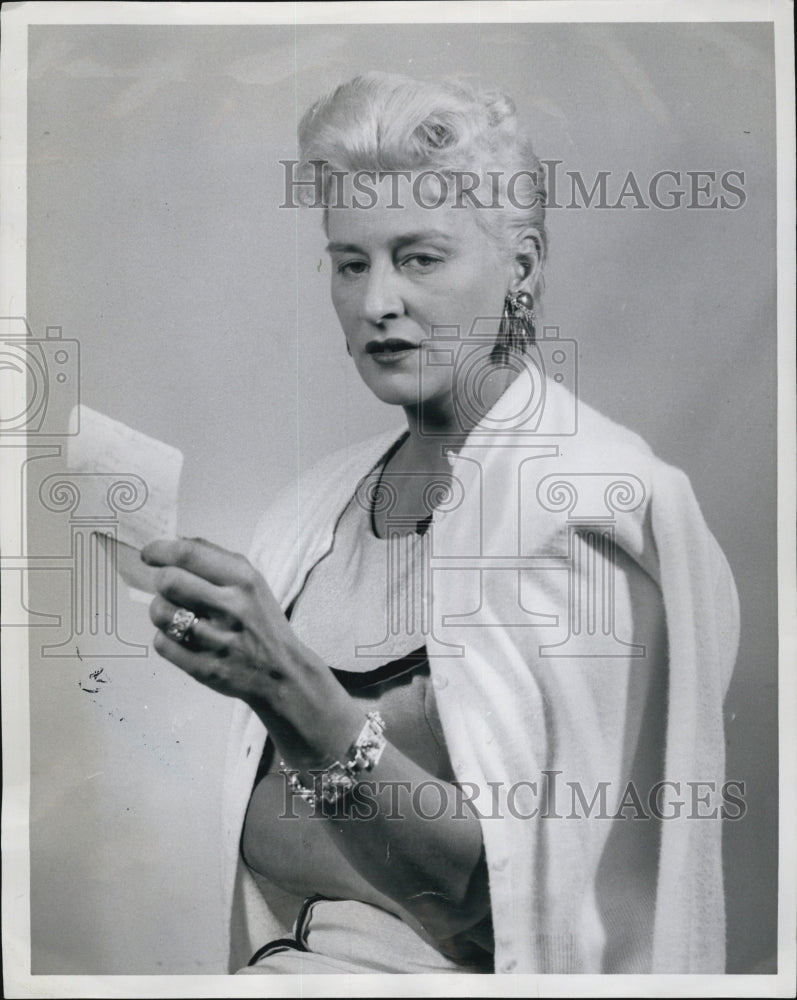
[{"x": 390, "y": 351}]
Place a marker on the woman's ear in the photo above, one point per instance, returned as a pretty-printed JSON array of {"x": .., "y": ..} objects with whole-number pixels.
[
  {"x": 528, "y": 261},
  {"x": 522, "y": 270}
]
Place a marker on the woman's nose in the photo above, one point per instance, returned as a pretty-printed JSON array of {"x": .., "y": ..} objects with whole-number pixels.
[{"x": 382, "y": 299}]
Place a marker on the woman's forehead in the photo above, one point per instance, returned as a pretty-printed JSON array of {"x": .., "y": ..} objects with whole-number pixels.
[{"x": 386, "y": 219}]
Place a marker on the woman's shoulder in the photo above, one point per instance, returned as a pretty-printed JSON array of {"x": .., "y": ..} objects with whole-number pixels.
[
  {"x": 594, "y": 437},
  {"x": 591, "y": 444},
  {"x": 356, "y": 459},
  {"x": 337, "y": 471},
  {"x": 322, "y": 488},
  {"x": 580, "y": 468},
  {"x": 550, "y": 416},
  {"x": 604, "y": 446}
]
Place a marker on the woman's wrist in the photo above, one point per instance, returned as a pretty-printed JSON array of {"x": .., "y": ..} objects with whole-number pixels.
[
  {"x": 331, "y": 785},
  {"x": 310, "y": 717}
]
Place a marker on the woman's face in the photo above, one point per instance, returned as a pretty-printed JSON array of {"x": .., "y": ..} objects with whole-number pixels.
[{"x": 398, "y": 273}]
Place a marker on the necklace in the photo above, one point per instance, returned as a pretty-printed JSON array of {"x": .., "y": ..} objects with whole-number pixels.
[{"x": 423, "y": 523}]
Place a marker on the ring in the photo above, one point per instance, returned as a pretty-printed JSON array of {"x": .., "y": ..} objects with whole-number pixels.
[{"x": 181, "y": 625}]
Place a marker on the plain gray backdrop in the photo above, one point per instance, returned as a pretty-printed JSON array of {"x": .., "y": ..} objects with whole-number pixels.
[{"x": 203, "y": 316}]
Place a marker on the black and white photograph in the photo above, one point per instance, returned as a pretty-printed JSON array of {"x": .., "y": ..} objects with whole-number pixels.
[{"x": 398, "y": 499}]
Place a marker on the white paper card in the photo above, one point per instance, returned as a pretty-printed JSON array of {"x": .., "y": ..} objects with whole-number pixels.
[
  {"x": 107, "y": 446},
  {"x": 139, "y": 577}
]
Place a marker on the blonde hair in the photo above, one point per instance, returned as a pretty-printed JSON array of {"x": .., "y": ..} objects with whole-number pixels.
[{"x": 382, "y": 122}]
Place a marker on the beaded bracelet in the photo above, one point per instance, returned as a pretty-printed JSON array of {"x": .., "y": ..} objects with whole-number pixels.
[{"x": 339, "y": 778}]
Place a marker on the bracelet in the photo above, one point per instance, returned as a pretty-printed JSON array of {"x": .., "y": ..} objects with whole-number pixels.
[{"x": 339, "y": 778}]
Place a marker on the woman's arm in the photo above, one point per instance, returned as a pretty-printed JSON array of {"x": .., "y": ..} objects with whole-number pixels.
[
  {"x": 415, "y": 839},
  {"x": 243, "y": 646}
]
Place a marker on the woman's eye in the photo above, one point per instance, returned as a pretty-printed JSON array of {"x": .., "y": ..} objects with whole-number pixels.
[
  {"x": 421, "y": 261},
  {"x": 351, "y": 268}
]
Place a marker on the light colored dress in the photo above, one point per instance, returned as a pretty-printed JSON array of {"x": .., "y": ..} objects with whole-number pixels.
[{"x": 361, "y": 610}]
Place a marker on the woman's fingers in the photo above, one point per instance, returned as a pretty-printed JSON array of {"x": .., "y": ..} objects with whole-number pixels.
[
  {"x": 209, "y": 668},
  {"x": 204, "y": 577},
  {"x": 205, "y": 635},
  {"x": 210, "y": 562},
  {"x": 186, "y": 590},
  {"x": 242, "y": 635}
]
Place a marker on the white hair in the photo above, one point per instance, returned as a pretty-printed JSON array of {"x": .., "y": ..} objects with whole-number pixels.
[{"x": 383, "y": 122}]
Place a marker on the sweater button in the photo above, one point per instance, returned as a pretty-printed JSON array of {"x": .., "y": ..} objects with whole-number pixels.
[
  {"x": 508, "y": 965},
  {"x": 501, "y": 864}
]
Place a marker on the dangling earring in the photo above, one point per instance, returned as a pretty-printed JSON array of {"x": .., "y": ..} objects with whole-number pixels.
[{"x": 516, "y": 331}]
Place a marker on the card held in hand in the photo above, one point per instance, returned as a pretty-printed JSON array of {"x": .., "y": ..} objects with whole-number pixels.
[{"x": 151, "y": 469}]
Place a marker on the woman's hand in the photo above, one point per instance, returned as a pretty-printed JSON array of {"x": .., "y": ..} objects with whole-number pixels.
[{"x": 244, "y": 646}]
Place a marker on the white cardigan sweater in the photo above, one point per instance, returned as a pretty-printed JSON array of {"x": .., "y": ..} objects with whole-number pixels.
[{"x": 511, "y": 708}]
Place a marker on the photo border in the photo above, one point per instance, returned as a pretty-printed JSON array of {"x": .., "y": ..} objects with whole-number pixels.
[{"x": 16, "y": 731}]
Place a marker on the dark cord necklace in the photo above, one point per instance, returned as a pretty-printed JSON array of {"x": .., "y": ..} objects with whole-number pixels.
[{"x": 423, "y": 523}]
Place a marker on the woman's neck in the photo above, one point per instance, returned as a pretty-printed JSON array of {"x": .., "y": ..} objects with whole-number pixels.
[{"x": 440, "y": 426}]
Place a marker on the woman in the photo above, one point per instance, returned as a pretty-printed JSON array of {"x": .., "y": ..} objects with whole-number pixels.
[{"x": 489, "y": 649}]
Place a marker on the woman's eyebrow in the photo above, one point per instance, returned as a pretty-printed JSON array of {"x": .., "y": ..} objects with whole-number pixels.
[
  {"x": 406, "y": 239},
  {"x": 334, "y": 247},
  {"x": 424, "y": 236}
]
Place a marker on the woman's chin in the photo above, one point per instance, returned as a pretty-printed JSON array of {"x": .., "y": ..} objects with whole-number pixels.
[
  {"x": 395, "y": 381},
  {"x": 408, "y": 394},
  {"x": 394, "y": 395}
]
